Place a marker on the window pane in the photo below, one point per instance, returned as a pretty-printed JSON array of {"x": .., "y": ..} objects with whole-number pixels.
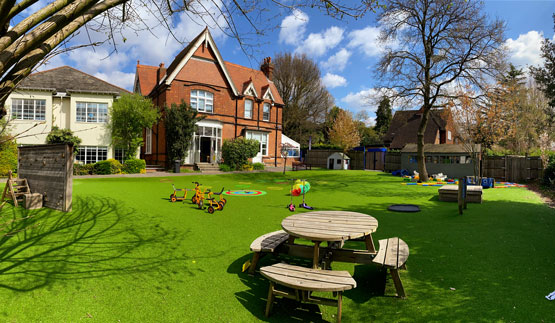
[
  {"x": 248, "y": 109},
  {"x": 102, "y": 112},
  {"x": 266, "y": 112},
  {"x": 102, "y": 153},
  {"x": 17, "y": 109},
  {"x": 28, "y": 109},
  {"x": 92, "y": 112},
  {"x": 81, "y": 113}
]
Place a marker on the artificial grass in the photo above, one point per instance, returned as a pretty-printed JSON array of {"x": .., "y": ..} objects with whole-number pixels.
[{"x": 125, "y": 253}]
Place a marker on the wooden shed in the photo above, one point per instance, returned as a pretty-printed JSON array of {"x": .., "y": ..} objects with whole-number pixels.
[{"x": 455, "y": 161}]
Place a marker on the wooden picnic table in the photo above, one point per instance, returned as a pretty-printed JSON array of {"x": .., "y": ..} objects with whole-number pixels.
[{"x": 331, "y": 226}]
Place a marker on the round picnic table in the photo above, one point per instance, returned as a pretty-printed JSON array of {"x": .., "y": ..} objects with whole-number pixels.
[{"x": 331, "y": 226}]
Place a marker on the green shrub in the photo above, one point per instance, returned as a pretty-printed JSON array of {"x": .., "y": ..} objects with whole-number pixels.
[
  {"x": 63, "y": 136},
  {"x": 8, "y": 157},
  {"x": 82, "y": 169},
  {"x": 134, "y": 166},
  {"x": 225, "y": 168},
  {"x": 236, "y": 152},
  {"x": 258, "y": 166},
  {"x": 106, "y": 167},
  {"x": 549, "y": 175}
]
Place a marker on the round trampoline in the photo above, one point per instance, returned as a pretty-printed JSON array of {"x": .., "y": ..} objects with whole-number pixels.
[{"x": 404, "y": 208}]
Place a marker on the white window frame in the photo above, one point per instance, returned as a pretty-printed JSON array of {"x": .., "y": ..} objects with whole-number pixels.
[
  {"x": 262, "y": 138},
  {"x": 249, "y": 114},
  {"x": 204, "y": 98},
  {"x": 91, "y": 149},
  {"x": 448, "y": 135},
  {"x": 94, "y": 112},
  {"x": 266, "y": 114},
  {"x": 116, "y": 151},
  {"x": 148, "y": 141},
  {"x": 29, "y": 109}
]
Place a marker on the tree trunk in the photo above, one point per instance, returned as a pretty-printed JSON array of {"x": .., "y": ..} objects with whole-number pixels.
[{"x": 420, "y": 158}]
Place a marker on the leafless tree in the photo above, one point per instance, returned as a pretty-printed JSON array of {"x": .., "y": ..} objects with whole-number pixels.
[
  {"x": 306, "y": 99},
  {"x": 432, "y": 44}
]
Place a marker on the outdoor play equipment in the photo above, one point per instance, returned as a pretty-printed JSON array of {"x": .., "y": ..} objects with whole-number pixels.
[
  {"x": 214, "y": 205},
  {"x": 174, "y": 197},
  {"x": 198, "y": 198},
  {"x": 300, "y": 186}
]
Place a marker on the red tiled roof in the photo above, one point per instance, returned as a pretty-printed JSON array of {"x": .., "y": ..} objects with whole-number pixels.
[
  {"x": 240, "y": 74},
  {"x": 146, "y": 75}
]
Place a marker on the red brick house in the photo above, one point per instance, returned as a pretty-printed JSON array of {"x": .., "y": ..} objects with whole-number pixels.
[
  {"x": 236, "y": 101},
  {"x": 404, "y": 128}
]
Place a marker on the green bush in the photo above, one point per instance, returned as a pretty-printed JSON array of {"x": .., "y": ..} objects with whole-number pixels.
[
  {"x": 63, "y": 136},
  {"x": 134, "y": 166},
  {"x": 225, "y": 168},
  {"x": 106, "y": 167},
  {"x": 236, "y": 152},
  {"x": 8, "y": 157},
  {"x": 258, "y": 166},
  {"x": 549, "y": 175},
  {"x": 82, "y": 169}
]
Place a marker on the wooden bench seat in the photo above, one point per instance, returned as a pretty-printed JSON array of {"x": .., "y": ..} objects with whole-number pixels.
[
  {"x": 393, "y": 254},
  {"x": 304, "y": 281},
  {"x": 300, "y": 165},
  {"x": 267, "y": 243},
  {"x": 450, "y": 193}
]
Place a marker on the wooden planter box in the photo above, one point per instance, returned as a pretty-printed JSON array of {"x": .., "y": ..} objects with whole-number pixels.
[
  {"x": 449, "y": 193},
  {"x": 32, "y": 201}
]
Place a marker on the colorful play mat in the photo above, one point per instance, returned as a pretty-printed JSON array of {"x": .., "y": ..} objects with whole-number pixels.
[{"x": 245, "y": 193}]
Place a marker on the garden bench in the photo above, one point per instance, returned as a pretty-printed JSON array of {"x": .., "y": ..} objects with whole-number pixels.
[
  {"x": 266, "y": 243},
  {"x": 303, "y": 281},
  {"x": 299, "y": 165},
  {"x": 450, "y": 193},
  {"x": 392, "y": 255}
]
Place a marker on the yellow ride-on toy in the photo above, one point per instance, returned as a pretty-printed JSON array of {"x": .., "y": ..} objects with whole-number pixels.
[
  {"x": 174, "y": 197},
  {"x": 198, "y": 198},
  {"x": 213, "y": 205}
]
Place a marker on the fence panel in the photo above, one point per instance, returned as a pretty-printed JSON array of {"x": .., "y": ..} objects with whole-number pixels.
[
  {"x": 512, "y": 168},
  {"x": 392, "y": 161}
]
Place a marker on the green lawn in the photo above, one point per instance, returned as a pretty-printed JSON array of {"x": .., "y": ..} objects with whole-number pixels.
[{"x": 127, "y": 254}]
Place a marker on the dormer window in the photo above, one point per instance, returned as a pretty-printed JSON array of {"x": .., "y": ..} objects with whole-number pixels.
[
  {"x": 266, "y": 112},
  {"x": 202, "y": 101},
  {"x": 248, "y": 109}
]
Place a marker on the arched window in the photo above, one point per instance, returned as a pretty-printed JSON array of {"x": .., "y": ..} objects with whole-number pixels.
[{"x": 202, "y": 101}]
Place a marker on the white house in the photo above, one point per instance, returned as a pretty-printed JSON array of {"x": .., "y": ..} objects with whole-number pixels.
[{"x": 69, "y": 99}]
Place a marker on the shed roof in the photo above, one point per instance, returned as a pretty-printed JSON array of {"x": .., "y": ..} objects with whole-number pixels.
[
  {"x": 442, "y": 148},
  {"x": 339, "y": 155}
]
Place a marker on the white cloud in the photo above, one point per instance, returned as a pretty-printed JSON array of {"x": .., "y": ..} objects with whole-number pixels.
[
  {"x": 318, "y": 44},
  {"x": 338, "y": 61},
  {"x": 333, "y": 80},
  {"x": 293, "y": 28},
  {"x": 367, "y": 41},
  {"x": 117, "y": 78},
  {"x": 359, "y": 100},
  {"x": 526, "y": 49}
]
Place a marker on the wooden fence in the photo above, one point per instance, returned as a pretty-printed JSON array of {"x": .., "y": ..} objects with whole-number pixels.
[
  {"x": 512, "y": 168},
  {"x": 372, "y": 160},
  {"x": 392, "y": 161}
]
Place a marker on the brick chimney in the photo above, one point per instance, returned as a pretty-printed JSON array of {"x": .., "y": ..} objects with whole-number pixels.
[
  {"x": 267, "y": 68},
  {"x": 160, "y": 73}
]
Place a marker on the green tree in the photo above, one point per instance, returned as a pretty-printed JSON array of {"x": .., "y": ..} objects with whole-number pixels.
[
  {"x": 383, "y": 116},
  {"x": 431, "y": 44},
  {"x": 63, "y": 136},
  {"x": 8, "y": 157},
  {"x": 129, "y": 115},
  {"x": 180, "y": 124}
]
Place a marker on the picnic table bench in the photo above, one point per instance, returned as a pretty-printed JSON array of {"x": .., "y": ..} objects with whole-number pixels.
[
  {"x": 300, "y": 165},
  {"x": 392, "y": 255},
  {"x": 267, "y": 243},
  {"x": 303, "y": 281}
]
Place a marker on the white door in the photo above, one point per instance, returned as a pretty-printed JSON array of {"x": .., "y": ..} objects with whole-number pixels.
[{"x": 262, "y": 138}]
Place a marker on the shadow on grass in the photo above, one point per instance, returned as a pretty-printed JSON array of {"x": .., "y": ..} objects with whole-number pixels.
[{"x": 99, "y": 238}]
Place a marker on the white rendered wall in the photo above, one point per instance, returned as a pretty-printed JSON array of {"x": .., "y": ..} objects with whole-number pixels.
[{"x": 32, "y": 132}]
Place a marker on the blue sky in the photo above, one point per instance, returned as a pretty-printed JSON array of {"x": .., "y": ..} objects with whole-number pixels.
[{"x": 345, "y": 50}]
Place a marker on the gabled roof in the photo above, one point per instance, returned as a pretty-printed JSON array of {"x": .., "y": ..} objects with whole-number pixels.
[
  {"x": 240, "y": 74},
  {"x": 404, "y": 127},
  {"x": 183, "y": 57},
  {"x": 249, "y": 86},
  {"x": 67, "y": 79},
  {"x": 145, "y": 76},
  {"x": 237, "y": 76}
]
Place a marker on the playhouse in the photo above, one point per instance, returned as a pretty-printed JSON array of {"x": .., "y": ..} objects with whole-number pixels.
[{"x": 338, "y": 161}]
